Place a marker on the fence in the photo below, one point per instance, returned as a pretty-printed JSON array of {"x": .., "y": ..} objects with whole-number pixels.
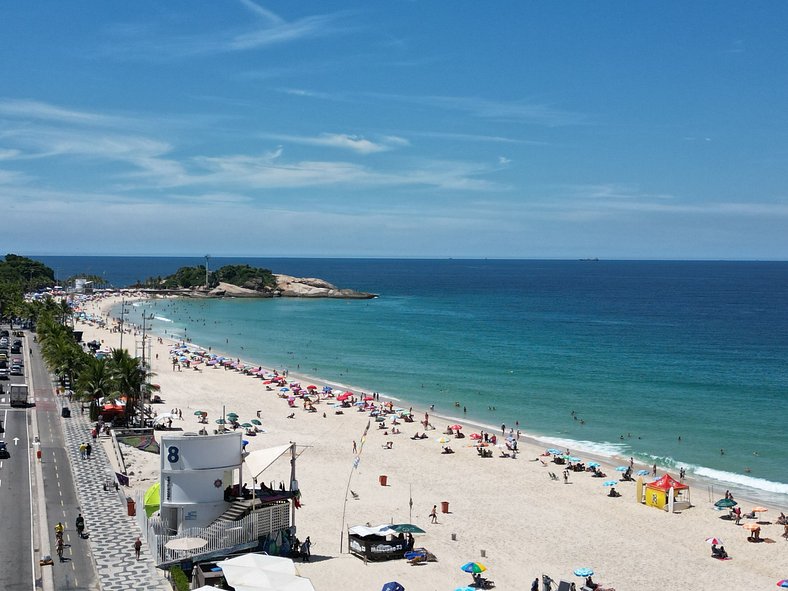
[{"x": 220, "y": 535}]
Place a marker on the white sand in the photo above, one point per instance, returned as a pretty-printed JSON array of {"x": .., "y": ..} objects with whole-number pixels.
[{"x": 527, "y": 524}]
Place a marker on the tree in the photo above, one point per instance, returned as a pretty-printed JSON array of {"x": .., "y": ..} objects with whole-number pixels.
[
  {"x": 95, "y": 382},
  {"x": 131, "y": 379}
]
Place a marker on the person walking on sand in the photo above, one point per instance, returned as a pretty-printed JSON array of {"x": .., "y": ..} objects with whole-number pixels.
[
  {"x": 355, "y": 447},
  {"x": 137, "y": 548},
  {"x": 434, "y": 514}
]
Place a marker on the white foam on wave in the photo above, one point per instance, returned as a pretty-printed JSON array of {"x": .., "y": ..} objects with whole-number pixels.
[
  {"x": 741, "y": 480},
  {"x": 162, "y": 318},
  {"x": 604, "y": 448},
  {"x": 731, "y": 478}
]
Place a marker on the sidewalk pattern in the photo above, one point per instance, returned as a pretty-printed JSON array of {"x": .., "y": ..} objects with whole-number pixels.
[{"x": 112, "y": 531}]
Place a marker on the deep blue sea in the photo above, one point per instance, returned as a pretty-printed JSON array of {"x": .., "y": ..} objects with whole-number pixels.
[{"x": 643, "y": 352}]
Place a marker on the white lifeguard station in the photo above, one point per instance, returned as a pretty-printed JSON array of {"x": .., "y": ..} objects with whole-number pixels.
[{"x": 206, "y": 510}]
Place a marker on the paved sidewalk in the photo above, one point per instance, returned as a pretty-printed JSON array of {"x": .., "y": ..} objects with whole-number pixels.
[{"x": 112, "y": 531}]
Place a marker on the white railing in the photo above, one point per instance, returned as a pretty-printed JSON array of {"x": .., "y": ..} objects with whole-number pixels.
[{"x": 220, "y": 535}]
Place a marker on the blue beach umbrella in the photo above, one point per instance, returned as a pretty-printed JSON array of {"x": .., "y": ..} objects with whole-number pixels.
[
  {"x": 594, "y": 464},
  {"x": 393, "y": 586},
  {"x": 473, "y": 567},
  {"x": 554, "y": 451},
  {"x": 783, "y": 583},
  {"x": 584, "y": 572},
  {"x": 642, "y": 472},
  {"x": 465, "y": 589},
  {"x": 284, "y": 389},
  {"x": 610, "y": 483},
  {"x": 622, "y": 468}
]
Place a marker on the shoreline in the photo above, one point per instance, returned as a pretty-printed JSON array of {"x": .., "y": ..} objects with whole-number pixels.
[
  {"x": 590, "y": 449},
  {"x": 521, "y": 519}
]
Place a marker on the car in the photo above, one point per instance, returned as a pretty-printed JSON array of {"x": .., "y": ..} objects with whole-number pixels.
[
  {"x": 4, "y": 450},
  {"x": 16, "y": 370},
  {"x": 18, "y": 361},
  {"x": 15, "y": 350}
]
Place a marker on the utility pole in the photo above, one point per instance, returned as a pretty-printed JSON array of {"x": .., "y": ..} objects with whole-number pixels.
[{"x": 122, "y": 312}]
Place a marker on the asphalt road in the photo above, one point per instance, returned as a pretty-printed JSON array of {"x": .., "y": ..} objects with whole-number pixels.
[{"x": 17, "y": 567}]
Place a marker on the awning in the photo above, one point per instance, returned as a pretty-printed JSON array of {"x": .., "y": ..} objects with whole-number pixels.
[
  {"x": 363, "y": 531},
  {"x": 257, "y": 461}
]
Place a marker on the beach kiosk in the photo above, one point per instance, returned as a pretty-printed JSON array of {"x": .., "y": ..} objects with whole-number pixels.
[
  {"x": 376, "y": 542},
  {"x": 667, "y": 493}
]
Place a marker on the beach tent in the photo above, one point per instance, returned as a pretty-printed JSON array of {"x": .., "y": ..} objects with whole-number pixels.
[
  {"x": 663, "y": 492},
  {"x": 152, "y": 499}
]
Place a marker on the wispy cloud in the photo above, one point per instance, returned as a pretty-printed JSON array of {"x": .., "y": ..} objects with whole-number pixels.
[
  {"x": 267, "y": 30},
  {"x": 354, "y": 143},
  {"x": 37, "y": 110},
  {"x": 522, "y": 110}
]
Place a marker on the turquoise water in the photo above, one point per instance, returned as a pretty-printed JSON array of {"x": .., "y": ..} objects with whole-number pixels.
[
  {"x": 642, "y": 352},
  {"x": 645, "y": 350}
]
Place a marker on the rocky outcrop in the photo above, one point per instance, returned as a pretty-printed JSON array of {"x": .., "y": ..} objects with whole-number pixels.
[{"x": 287, "y": 287}]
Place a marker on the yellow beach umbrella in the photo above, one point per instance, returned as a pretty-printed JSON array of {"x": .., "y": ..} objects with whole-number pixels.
[{"x": 152, "y": 499}]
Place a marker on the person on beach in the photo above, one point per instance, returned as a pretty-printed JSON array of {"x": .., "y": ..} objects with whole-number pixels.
[
  {"x": 355, "y": 447},
  {"x": 654, "y": 470},
  {"x": 434, "y": 514}
]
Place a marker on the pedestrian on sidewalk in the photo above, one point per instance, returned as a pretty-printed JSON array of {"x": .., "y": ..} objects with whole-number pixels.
[
  {"x": 82, "y": 450},
  {"x": 88, "y": 449},
  {"x": 137, "y": 548}
]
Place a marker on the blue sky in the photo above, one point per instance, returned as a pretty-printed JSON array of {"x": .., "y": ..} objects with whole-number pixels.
[{"x": 395, "y": 128}]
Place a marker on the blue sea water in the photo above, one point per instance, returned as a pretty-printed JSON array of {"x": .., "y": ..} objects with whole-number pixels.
[{"x": 644, "y": 352}]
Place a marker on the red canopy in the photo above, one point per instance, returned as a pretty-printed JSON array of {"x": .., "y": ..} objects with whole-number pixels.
[{"x": 666, "y": 483}]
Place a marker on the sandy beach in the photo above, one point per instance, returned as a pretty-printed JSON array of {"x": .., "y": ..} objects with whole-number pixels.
[{"x": 510, "y": 511}]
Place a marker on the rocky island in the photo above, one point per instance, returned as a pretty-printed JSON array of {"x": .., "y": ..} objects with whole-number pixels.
[{"x": 244, "y": 281}]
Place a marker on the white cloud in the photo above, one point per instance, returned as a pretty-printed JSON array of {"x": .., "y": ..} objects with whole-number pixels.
[
  {"x": 8, "y": 154},
  {"x": 37, "y": 110},
  {"x": 355, "y": 143},
  {"x": 504, "y": 161}
]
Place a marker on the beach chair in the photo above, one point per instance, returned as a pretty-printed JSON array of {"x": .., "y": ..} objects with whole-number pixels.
[
  {"x": 553, "y": 476},
  {"x": 564, "y": 585}
]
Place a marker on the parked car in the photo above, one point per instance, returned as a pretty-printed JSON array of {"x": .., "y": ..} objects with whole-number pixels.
[
  {"x": 16, "y": 370},
  {"x": 4, "y": 450}
]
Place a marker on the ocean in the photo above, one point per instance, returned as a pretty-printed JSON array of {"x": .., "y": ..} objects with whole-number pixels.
[{"x": 678, "y": 363}]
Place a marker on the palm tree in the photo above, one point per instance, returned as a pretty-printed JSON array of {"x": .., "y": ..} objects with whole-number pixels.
[
  {"x": 95, "y": 382},
  {"x": 131, "y": 379}
]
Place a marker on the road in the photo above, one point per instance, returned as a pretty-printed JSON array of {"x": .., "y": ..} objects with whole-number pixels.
[{"x": 77, "y": 571}]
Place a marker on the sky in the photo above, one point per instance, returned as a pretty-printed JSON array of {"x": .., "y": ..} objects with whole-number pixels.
[{"x": 396, "y": 128}]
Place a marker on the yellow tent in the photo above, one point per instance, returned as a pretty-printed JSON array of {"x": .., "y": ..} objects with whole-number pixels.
[{"x": 152, "y": 499}]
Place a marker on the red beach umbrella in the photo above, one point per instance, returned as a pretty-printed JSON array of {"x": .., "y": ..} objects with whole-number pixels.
[
  {"x": 311, "y": 387},
  {"x": 455, "y": 427}
]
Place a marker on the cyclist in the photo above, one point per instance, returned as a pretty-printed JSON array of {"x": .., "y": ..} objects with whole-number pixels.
[
  {"x": 80, "y": 523},
  {"x": 59, "y": 529},
  {"x": 60, "y": 549}
]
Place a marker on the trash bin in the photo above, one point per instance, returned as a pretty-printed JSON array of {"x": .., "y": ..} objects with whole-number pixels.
[
  {"x": 65, "y": 412},
  {"x": 131, "y": 506},
  {"x": 444, "y": 506},
  {"x": 383, "y": 479}
]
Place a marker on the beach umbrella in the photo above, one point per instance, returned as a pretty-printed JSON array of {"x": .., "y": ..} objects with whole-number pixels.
[
  {"x": 642, "y": 472},
  {"x": 311, "y": 387},
  {"x": 368, "y": 398},
  {"x": 455, "y": 427},
  {"x": 247, "y": 425},
  {"x": 443, "y": 439},
  {"x": 554, "y": 451},
  {"x": 257, "y": 422},
  {"x": 594, "y": 464},
  {"x": 573, "y": 459},
  {"x": 199, "y": 412},
  {"x": 393, "y": 586},
  {"x": 220, "y": 421},
  {"x": 610, "y": 483},
  {"x": 751, "y": 526},
  {"x": 465, "y": 589},
  {"x": 232, "y": 414},
  {"x": 284, "y": 389},
  {"x": 783, "y": 583},
  {"x": 622, "y": 468},
  {"x": 405, "y": 528},
  {"x": 584, "y": 572},
  {"x": 475, "y": 436},
  {"x": 473, "y": 567},
  {"x": 725, "y": 503},
  {"x": 714, "y": 541}
]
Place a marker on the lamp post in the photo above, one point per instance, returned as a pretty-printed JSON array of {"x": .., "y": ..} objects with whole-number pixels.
[{"x": 122, "y": 313}]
